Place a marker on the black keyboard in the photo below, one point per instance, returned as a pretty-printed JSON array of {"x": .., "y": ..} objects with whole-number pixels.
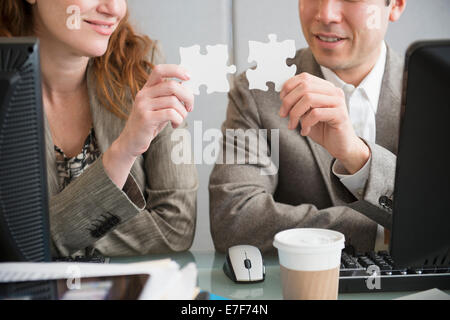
[
  {"x": 376, "y": 272},
  {"x": 87, "y": 259}
]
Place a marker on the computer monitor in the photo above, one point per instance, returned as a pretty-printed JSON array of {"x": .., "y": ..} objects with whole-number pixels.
[
  {"x": 421, "y": 210},
  {"x": 24, "y": 222}
]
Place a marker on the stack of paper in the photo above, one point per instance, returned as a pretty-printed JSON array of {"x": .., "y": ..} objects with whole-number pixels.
[{"x": 167, "y": 280}]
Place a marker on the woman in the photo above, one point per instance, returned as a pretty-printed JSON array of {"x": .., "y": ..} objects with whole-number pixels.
[{"x": 112, "y": 185}]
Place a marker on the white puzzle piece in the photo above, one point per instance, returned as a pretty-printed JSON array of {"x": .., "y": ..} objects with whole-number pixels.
[
  {"x": 210, "y": 69},
  {"x": 271, "y": 63}
]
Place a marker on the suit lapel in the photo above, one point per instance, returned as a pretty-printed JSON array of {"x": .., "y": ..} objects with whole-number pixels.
[
  {"x": 52, "y": 173},
  {"x": 388, "y": 114},
  {"x": 306, "y": 62},
  {"x": 108, "y": 126}
]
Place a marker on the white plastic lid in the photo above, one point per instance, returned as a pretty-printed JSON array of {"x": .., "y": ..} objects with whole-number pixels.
[
  {"x": 309, "y": 249},
  {"x": 305, "y": 240}
]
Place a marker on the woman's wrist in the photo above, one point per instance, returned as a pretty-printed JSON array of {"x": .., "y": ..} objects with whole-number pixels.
[{"x": 117, "y": 163}]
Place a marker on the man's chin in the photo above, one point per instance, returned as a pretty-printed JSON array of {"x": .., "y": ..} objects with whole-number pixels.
[{"x": 331, "y": 61}]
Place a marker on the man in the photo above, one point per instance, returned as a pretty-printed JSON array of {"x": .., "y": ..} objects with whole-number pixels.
[{"x": 338, "y": 130}]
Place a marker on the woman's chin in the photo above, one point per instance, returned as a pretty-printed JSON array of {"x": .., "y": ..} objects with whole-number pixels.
[{"x": 94, "y": 50}]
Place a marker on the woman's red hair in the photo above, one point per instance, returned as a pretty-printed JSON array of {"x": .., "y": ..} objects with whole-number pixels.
[{"x": 124, "y": 66}]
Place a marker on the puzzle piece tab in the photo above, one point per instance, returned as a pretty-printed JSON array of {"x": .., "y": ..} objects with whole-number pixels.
[
  {"x": 271, "y": 63},
  {"x": 210, "y": 69}
]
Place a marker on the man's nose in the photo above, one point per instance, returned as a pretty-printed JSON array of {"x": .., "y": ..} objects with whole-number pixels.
[{"x": 329, "y": 11}]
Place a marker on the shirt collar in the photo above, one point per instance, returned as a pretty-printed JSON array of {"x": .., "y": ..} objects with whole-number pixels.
[{"x": 371, "y": 84}]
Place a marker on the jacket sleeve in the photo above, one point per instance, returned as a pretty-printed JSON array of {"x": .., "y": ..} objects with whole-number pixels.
[
  {"x": 242, "y": 205},
  {"x": 377, "y": 199},
  {"x": 93, "y": 211},
  {"x": 89, "y": 207}
]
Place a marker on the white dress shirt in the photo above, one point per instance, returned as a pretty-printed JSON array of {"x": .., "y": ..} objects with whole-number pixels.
[{"x": 362, "y": 104}]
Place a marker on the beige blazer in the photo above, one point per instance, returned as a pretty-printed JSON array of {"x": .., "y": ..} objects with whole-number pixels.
[
  {"x": 155, "y": 211},
  {"x": 249, "y": 208}
]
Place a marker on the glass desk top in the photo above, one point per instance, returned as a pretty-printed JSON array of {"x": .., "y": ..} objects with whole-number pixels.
[{"x": 211, "y": 278}]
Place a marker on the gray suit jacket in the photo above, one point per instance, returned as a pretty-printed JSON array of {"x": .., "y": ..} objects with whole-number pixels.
[
  {"x": 249, "y": 208},
  {"x": 154, "y": 212}
]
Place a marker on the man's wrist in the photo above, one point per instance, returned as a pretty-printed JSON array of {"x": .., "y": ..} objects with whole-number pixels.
[{"x": 357, "y": 158}]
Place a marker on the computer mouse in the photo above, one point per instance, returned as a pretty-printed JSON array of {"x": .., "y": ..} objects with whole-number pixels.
[{"x": 244, "y": 264}]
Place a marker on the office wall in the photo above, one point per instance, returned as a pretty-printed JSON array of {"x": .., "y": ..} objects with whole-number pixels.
[{"x": 182, "y": 23}]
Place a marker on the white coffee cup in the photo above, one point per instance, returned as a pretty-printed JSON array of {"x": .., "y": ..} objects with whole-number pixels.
[{"x": 309, "y": 261}]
